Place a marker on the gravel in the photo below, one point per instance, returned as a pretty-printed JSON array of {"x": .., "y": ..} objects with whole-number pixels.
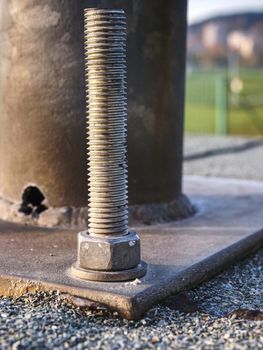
[
  {"x": 220, "y": 316},
  {"x": 46, "y": 321}
]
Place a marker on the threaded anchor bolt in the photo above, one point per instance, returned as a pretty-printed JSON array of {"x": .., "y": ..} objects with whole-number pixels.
[{"x": 108, "y": 250}]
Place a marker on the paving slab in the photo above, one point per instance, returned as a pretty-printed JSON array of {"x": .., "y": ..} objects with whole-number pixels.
[{"x": 228, "y": 226}]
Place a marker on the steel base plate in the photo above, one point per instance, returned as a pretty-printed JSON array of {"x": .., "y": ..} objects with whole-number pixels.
[{"x": 179, "y": 255}]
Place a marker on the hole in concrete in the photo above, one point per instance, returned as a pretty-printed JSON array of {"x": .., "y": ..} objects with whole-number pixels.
[{"x": 32, "y": 201}]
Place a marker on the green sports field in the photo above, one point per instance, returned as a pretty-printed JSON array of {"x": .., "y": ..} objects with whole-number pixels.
[{"x": 243, "y": 112}]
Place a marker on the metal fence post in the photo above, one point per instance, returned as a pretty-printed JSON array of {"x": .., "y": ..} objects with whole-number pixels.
[{"x": 221, "y": 105}]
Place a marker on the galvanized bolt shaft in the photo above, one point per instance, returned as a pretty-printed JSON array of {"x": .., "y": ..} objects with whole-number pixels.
[
  {"x": 108, "y": 250},
  {"x": 105, "y": 40}
]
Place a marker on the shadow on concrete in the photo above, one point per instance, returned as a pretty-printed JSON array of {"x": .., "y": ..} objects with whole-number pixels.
[{"x": 224, "y": 150}]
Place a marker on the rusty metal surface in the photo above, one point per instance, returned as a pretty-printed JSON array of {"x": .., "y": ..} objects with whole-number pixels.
[{"x": 180, "y": 255}]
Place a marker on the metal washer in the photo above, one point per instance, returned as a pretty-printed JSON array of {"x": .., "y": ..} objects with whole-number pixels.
[{"x": 109, "y": 276}]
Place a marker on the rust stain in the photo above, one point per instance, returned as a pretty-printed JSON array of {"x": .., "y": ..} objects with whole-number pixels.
[{"x": 15, "y": 288}]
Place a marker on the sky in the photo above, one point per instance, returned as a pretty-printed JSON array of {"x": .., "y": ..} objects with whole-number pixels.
[{"x": 202, "y": 9}]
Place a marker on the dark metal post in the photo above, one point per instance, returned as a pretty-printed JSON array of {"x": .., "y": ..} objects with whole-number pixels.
[{"x": 42, "y": 109}]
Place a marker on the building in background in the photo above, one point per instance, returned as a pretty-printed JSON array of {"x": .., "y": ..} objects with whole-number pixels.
[{"x": 210, "y": 41}]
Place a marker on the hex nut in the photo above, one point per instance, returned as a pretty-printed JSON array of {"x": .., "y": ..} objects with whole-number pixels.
[{"x": 108, "y": 253}]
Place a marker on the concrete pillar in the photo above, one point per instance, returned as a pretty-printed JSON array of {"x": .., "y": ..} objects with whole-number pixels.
[{"x": 42, "y": 106}]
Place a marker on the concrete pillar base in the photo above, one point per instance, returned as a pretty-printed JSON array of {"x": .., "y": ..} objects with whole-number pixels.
[{"x": 76, "y": 218}]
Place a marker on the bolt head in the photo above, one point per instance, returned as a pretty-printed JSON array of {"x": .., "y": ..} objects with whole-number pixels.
[{"x": 108, "y": 253}]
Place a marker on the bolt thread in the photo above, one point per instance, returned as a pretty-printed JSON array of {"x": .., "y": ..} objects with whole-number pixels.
[{"x": 105, "y": 53}]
